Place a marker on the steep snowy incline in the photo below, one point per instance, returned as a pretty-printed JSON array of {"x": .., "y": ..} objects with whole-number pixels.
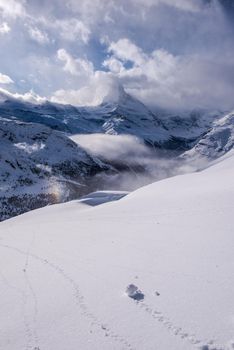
[{"x": 152, "y": 271}]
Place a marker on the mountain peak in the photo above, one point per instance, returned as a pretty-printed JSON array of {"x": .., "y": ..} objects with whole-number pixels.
[
  {"x": 121, "y": 100},
  {"x": 115, "y": 94}
]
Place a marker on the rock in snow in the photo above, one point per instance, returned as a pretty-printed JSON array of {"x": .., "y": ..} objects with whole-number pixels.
[{"x": 134, "y": 292}]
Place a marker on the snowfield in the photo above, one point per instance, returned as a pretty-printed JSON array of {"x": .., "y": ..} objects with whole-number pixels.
[{"x": 154, "y": 270}]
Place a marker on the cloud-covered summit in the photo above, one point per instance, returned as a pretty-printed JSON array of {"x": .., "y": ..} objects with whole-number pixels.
[{"x": 168, "y": 53}]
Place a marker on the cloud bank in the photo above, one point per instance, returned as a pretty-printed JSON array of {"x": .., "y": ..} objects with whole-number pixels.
[
  {"x": 168, "y": 53},
  {"x": 138, "y": 164},
  {"x": 5, "y": 79}
]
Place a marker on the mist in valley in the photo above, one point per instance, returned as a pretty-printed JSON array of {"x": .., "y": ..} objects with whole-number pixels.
[{"x": 134, "y": 163}]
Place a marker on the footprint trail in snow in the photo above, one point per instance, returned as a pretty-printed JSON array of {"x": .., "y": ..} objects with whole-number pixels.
[
  {"x": 79, "y": 298},
  {"x": 136, "y": 294}
]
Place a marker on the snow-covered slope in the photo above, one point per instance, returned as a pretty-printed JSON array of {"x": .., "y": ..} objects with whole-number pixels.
[
  {"x": 64, "y": 271},
  {"x": 216, "y": 142},
  {"x": 40, "y": 166}
]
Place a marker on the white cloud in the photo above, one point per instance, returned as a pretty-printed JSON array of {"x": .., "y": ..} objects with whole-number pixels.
[
  {"x": 132, "y": 152},
  {"x": 165, "y": 52},
  {"x": 4, "y": 28},
  {"x": 29, "y": 96},
  {"x": 100, "y": 87},
  {"x": 114, "y": 65},
  {"x": 72, "y": 29},
  {"x": 5, "y": 79},
  {"x": 162, "y": 79},
  {"x": 91, "y": 9},
  {"x": 75, "y": 66},
  {"x": 37, "y": 35},
  {"x": 114, "y": 147},
  {"x": 185, "y": 5},
  {"x": 125, "y": 50},
  {"x": 106, "y": 9},
  {"x": 68, "y": 29},
  {"x": 12, "y": 8},
  {"x": 158, "y": 78}
]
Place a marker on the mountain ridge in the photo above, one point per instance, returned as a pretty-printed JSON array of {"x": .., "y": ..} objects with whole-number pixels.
[{"x": 192, "y": 138}]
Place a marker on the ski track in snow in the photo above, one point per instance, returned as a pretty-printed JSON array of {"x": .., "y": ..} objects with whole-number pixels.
[
  {"x": 79, "y": 298},
  {"x": 176, "y": 330}
]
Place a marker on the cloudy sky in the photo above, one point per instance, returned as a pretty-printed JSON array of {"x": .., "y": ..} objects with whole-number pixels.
[{"x": 168, "y": 53}]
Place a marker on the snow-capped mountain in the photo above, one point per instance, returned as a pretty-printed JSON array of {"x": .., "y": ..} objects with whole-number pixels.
[
  {"x": 124, "y": 115},
  {"x": 216, "y": 142},
  {"x": 130, "y": 116},
  {"x": 38, "y": 159},
  {"x": 40, "y": 166},
  {"x": 190, "y": 125}
]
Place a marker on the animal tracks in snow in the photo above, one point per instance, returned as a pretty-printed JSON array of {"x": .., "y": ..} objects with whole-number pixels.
[
  {"x": 79, "y": 298},
  {"x": 175, "y": 330},
  {"x": 29, "y": 297}
]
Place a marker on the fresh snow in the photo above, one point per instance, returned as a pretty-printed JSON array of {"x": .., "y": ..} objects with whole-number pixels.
[{"x": 70, "y": 274}]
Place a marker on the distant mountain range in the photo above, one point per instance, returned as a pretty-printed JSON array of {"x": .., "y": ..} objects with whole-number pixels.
[
  {"x": 41, "y": 165},
  {"x": 126, "y": 115}
]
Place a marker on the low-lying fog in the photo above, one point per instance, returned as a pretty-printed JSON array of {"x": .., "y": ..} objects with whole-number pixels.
[{"x": 137, "y": 164}]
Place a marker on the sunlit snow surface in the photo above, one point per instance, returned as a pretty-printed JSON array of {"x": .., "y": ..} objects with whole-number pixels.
[{"x": 65, "y": 270}]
